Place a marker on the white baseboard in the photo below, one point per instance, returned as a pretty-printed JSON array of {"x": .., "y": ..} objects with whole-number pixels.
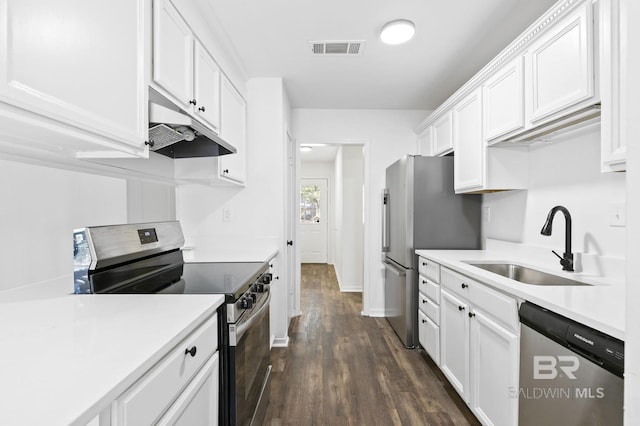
[
  {"x": 353, "y": 288},
  {"x": 377, "y": 312},
  {"x": 279, "y": 342}
]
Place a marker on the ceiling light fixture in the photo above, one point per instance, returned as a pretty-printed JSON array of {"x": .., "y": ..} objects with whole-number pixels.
[
  {"x": 398, "y": 31},
  {"x": 305, "y": 148}
]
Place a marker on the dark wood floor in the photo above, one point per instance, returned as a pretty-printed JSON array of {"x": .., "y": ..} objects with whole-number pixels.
[{"x": 345, "y": 369}]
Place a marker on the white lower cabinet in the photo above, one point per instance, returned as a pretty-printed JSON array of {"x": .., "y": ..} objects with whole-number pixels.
[
  {"x": 198, "y": 404},
  {"x": 182, "y": 388},
  {"x": 429, "y": 336},
  {"x": 454, "y": 341},
  {"x": 494, "y": 371},
  {"x": 480, "y": 347}
]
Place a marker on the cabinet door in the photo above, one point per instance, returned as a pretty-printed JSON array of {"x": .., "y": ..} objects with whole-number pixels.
[
  {"x": 469, "y": 161},
  {"x": 454, "y": 341},
  {"x": 429, "y": 335},
  {"x": 172, "y": 52},
  {"x": 79, "y": 63},
  {"x": 206, "y": 87},
  {"x": 503, "y": 97},
  {"x": 425, "y": 142},
  {"x": 442, "y": 135},
  {"x": 233, "y": 130},
  {"x": 561, "y": 66},
  {"x": 494, "y": 371},
  {"x": 198, "y": 404},
  {"x": 614, "y": 146}
]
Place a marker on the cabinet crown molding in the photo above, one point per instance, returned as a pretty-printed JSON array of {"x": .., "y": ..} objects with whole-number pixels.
[{"x": 517, "y": 47}]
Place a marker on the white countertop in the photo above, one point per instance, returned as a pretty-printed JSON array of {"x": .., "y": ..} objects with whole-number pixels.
[
  {"x": 600, "y": 306},
  {"x": 65, "y": 357}
]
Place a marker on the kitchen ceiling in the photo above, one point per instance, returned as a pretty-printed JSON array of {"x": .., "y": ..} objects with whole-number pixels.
[{"x": 454, "y": 39}]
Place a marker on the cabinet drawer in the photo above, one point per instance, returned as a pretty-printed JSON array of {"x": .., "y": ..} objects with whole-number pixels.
[
  {"x": 429, "y": 334},
  {"x": 458, "y": 284},
  {"x": 429, "y": 269},
  {"x": 497, "y": 305},
  {"x": 149, "y": 398},
  {"x": 430, "y": 289},
  {"x": 430, "y": 308}
]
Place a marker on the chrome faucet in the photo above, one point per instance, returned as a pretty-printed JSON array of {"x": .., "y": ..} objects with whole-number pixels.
[{"x": 566, "y": 260}]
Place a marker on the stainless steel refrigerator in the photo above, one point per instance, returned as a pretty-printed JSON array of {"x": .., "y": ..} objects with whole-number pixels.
[{"x": 421, "y": 211}]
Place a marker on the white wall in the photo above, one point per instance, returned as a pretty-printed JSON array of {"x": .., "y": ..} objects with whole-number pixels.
[
  {"x": 40, "y": 207},
  {"x": 351, "y": 278},
  {"x": 564, "y": 172},
  {"x": 387, "y": 135},
  {"x": 257, "y": 210},
  {"x": 337, "y": 212},
  {"x": 631, "y": 129},
  {"x": 149, "y": 202},
  {"x": 323, "y": 170}
]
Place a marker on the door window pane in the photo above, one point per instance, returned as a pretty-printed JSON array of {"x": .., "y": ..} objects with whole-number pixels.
[{"x": 309, "y": 204}]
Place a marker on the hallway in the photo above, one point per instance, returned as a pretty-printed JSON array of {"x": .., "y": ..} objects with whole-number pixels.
[{"x": 344, "y": 369}]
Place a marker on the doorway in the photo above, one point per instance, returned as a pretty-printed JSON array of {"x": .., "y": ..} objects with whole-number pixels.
[{"x": 342, "y": 167}]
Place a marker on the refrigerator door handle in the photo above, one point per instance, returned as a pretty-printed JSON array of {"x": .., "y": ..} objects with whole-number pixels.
[
  {"x": 385, "y": 221},
  {"x": 396, "y": 271}
]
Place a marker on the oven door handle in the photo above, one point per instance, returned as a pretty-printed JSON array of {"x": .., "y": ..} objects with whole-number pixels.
[{"x": 242, "y": 328}]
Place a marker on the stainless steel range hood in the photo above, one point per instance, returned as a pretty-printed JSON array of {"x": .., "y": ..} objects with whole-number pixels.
[{"x": 178, "y": 135}]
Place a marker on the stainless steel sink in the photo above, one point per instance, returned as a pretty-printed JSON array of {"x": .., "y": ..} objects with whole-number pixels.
[{"x": 525, "y": 275}]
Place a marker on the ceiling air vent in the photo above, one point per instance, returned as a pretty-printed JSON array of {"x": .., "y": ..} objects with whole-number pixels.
[{"x": 337, "y": 48}]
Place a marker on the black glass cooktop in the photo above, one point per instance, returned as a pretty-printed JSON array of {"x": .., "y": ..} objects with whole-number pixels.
[{"x": 230, "y": 278}]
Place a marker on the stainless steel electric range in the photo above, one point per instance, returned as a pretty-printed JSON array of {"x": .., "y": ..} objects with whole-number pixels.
[{"x": 146, "y": 259}]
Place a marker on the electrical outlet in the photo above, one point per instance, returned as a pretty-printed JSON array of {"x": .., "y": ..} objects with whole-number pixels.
[
  {"x": 227, "y": 214},
  {"x": 487, "y": 214},
  {"x": 617, "y": 214}
]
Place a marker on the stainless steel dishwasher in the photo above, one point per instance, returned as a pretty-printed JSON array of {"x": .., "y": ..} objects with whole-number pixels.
[{"x": 570, "y": 374}]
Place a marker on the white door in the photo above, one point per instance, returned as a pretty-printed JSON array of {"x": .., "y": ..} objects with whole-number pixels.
[{"x": 313, "y": 220}]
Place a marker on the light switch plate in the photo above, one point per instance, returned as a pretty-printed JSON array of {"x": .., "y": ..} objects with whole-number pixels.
[{"x": 617, "y": 214}]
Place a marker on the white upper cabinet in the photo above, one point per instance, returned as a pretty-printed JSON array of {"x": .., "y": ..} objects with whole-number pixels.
[
  {"x": 207, "y": 87},
  {"x": 560, "y": 66},
  {"x": 172, "y": 53},
  {"x": 233, "y": 129},
  {"x": 469, "y": 160},
  {"x": 74, "y": 72},
  {"x": 425, "y": 142},
  {"x": 443, "y": 134},
  {"x": 476, "y": 167},
  {"x": 182, "y": 67},
  {"x": 503, "y": 97},
  {"x": 614, "y": 145}
]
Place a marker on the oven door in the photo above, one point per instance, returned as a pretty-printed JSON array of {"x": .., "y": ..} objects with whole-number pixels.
[{"x": 250, "y": 358}]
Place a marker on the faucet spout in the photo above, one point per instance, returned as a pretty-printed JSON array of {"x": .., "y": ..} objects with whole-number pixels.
[{"x": 567, "y": 257}]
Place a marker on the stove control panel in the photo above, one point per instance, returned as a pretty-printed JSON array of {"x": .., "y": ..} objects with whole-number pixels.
[{"x": 250, "y": 299}]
